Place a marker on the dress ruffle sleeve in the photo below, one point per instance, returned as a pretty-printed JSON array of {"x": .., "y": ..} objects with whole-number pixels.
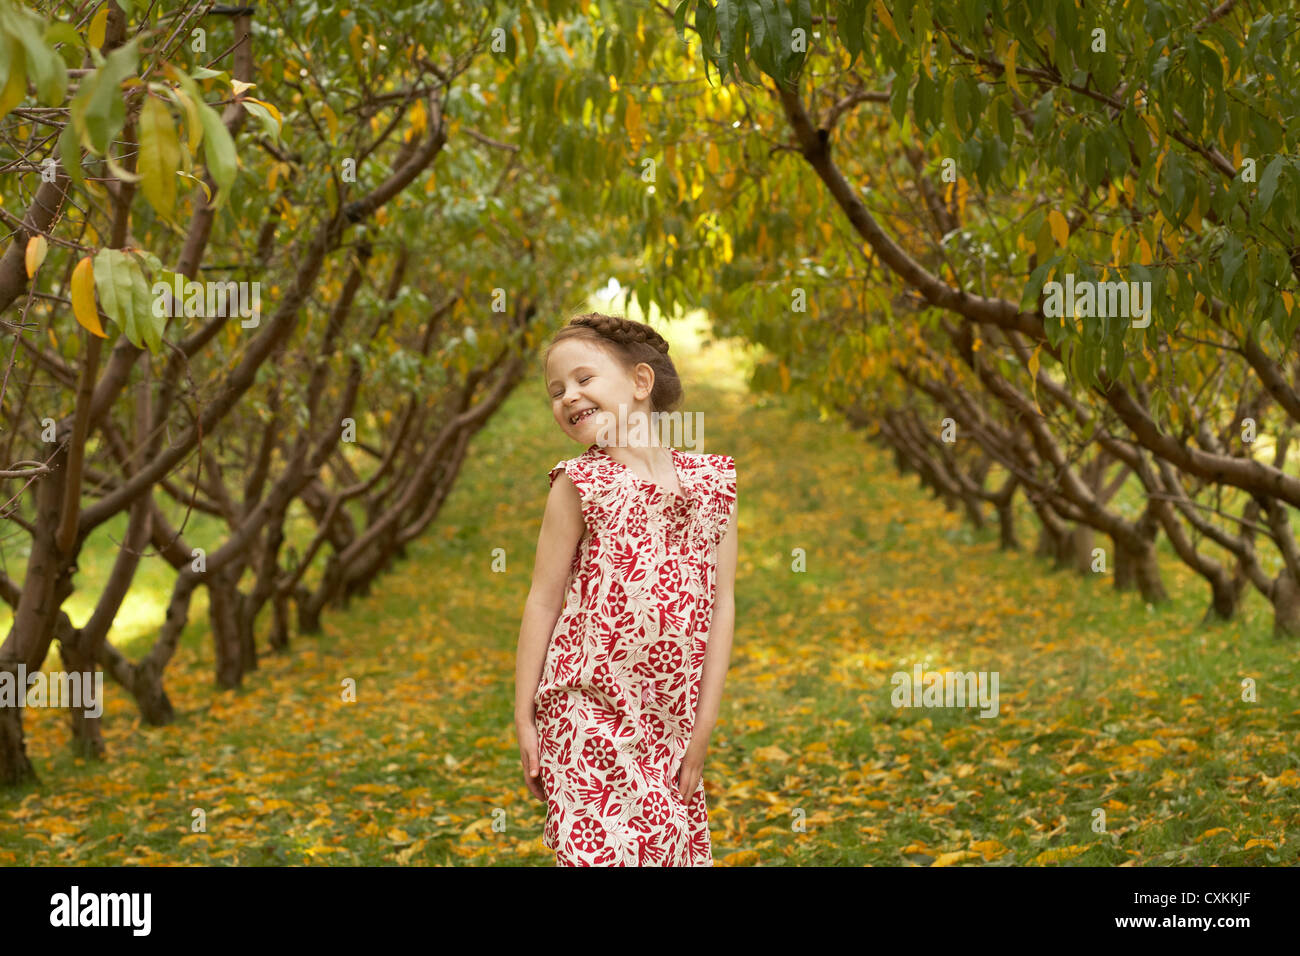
[
  {"x": 580, "y": 473},
  {"x": 722, "y": 498}
]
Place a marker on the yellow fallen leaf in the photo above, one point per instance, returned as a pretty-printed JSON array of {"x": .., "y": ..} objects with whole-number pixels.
[
  {"x": 771, "y": 753},
  {"x": 739, "y": 858},
  {"x": 956, "y": 856},
  {"x": 989, "y": 849},
  {"x": 405, "y": 855},
  {"x": 1253, "y": 843},
  {"x": 1210, "y": 833},
  {"x": 483, "y": 823},
  {"x": 1060, "y": 854}
]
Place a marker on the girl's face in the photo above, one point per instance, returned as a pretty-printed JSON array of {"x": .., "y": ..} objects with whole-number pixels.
[{"x": 586, "y": 383}]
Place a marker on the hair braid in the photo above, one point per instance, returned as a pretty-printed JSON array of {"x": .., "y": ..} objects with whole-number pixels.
[{"x": 631, "y": 343}]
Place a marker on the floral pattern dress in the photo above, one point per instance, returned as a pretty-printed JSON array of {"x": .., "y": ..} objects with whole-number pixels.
[{"x": 617, "y": 698}]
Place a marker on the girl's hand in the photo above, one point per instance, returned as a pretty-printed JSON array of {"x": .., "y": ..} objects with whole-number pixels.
[
  {"x": 690, "y": 772},
  {"x": 526, "y": 731}
]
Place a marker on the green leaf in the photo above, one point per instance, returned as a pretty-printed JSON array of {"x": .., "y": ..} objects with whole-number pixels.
[
  {"x": 1268, "y": 183},
  {"x": 113, "y": 282},
  {"x": 190, "y": 99},
  {"x": 269, "y": 122},
  {"x": 13, "y": 75},
  {"x": 146, "y": 322},
  {"x": 61, "y": 32},
  {"x": 98, "y": 109},
  {"x": 45, "y": 68},
  {"x": 218, "y": 151},
  {"x": 1234, "y": 254},
  {"x": 679, "y": 19},
  {"x": 70, "y": 154},
  {"x": 159, "y": 157}
]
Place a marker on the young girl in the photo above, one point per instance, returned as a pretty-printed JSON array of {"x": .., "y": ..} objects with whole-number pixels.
[{"x": 626, "y": 634}]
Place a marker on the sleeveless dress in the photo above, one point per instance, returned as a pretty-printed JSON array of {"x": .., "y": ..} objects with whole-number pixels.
[{"x": 617, "y": 698}]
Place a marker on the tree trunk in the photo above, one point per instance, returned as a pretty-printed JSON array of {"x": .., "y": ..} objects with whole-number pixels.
[
  {"x": 87, "y": 737},
  {"x": 1139, "y": 569},
  {"x": 1007, "y": 539},
  {"x": 15, "y": 768},
  {"x": 228, "y": 652},
  {"x": 1286, "y": 607}
]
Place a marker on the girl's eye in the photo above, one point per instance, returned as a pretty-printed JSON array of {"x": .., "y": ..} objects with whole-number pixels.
[{"x": 587, "y": 379}]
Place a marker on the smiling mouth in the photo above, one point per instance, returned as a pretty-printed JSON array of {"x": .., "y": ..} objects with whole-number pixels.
[{"x": 582, "y": 416}]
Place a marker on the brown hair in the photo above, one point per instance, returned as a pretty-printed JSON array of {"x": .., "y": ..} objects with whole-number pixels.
[{"x": 630, "y": 343}]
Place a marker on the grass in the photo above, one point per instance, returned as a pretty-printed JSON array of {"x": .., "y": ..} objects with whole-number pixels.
[{"x": 1106, "y": 704}]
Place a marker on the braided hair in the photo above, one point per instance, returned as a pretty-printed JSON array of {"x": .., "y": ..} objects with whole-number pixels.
[{"x": 631, "y": 343}]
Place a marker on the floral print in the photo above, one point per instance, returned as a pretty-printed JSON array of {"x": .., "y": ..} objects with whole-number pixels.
[{"x": 617, "y": 699}]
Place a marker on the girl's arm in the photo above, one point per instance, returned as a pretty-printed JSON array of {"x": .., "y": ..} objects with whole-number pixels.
[
  {"x": 717, "y": 653},
  {"x": 562, "y": 529}
]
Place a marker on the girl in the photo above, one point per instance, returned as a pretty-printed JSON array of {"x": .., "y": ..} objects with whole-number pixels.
[{"x": 626, "y": 633}]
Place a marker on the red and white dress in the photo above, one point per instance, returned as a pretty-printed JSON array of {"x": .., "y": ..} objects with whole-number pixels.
[{"x": 617, "y": 697}]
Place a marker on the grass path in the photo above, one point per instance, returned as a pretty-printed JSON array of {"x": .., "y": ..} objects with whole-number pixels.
[{"x": 1105, "y": 705}]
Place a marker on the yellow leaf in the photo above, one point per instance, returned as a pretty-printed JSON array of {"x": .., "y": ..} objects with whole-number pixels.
[
  {"x": 484, "y": 823},
  {"x": 771, "y": 753},
  {"x": 1253, "y": 843},
  {"x": 882, "y": 14},
  {"x": 632, "y": 121},
  {"x": 98, "y": 26},
  {"x": 1011, "y": 66},
  {"x": 957, "y": 856},
  {"x": 36, "y": 249},
  {"x": 159, "y": 155},
  {"x": 1119, "y": 244},
  {"x": 398, "y": 836},
  {"x": 83, "y": 297},
  {"x": 1033, "y": 377},
  {"x": 1060, "y": 854},
  {"x": 989, "y": 849},
  {"x": 275, "y": 111},
  {"x": 741, "y": 858},
  {"x": 15, "y": 87},
  {"x": 1209, "y": 833},
  {"x": 354, "y": 41},
  {"x": 1059, "y": 226},
  {"x": 405, "y": 855}
]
